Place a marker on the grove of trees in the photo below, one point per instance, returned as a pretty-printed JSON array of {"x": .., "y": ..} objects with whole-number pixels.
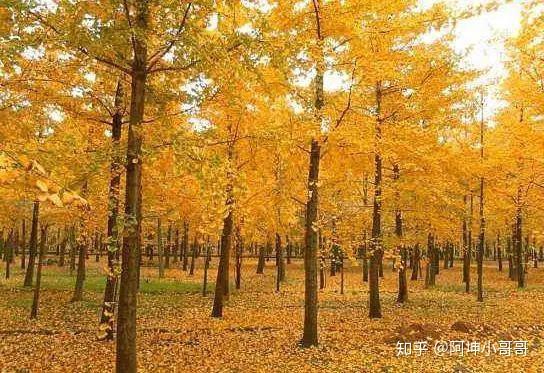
[{"x": 225, "y": 134}]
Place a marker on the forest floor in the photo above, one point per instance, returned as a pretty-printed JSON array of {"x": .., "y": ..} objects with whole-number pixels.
[{"x": 261, "y": 328}]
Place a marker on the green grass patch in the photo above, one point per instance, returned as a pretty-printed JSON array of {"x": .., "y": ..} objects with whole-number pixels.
[
  {"x": 57, "y": 281},
  {"x": 95, "y": 282}
]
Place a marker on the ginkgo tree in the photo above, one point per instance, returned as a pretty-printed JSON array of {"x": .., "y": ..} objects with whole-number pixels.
[{"x": 347, "y": 128}]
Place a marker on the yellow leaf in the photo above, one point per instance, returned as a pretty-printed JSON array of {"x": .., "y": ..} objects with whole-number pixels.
[
  {"x": 35, "y": 166},
  {"x": 42, "y": 186},
  {"x": 55, "y": 199},
  {"x": 68, "y": 198}
]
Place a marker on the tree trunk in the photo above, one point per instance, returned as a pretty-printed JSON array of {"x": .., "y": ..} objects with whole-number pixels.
[
  {"x": 80, "y": 277},
  {"x": 206, "y": 267},
  {"x": 433, "y": 264},
  {"x": 116, "y": 167},
  {"x": 36, "y": 298},
  {"x": 415, "y": 263},
  {"x": 436, "y": 256},
  {"x": 519, "y": 244},
  {"x": 261, "y": 262},
  {"x": 126, "y": 361},
  {"x": 465, "y": 242},
  {"x": 280, "y": 270},
  {"x": 62, "y": 251},
  {"x": 72, "y": 250},
  {"x": 58, "y": 243},
  {"x": 481, "y": 246},
  {"x": 23, "y": 244},
  {"x": 160, "y": 250},
  {"x": 342, "y": 275},
  {"x": 376, "y": 242},
  {"x": 380, "y": 267},
  {"x": 33, "y": 244},
  {"x": 452, "y": 253},
  {"x": 194, "y": 253},
  {"x": 238, "y": 264},
  {"x": 167, "y": 247},
  {"x": 175, "y": 245},
  {"x": 2, "y": 242},
  {"x": 364, "y": 252},
  {"x": 281, "y": 261},
  {"x": 309, "y": 337},
  {"x": 533, "y": 250},
  {"x": 96, "y": 247},
  {"x": 185, "y": 248},
  {"x": 322, "y": 283},
  {"x": 510, "y": 258},
  {"x": 499, "y": 251},
  {"x": 222, "y": 282},
  {"x": 15, "y": 245},
  {"x": 289, "y": 249},
  {"x": 469, "y": 245},
  {"x": 402, "y": 295},
  {"x": 223, "y": 270},
  {"x": 8, "y": 252}
]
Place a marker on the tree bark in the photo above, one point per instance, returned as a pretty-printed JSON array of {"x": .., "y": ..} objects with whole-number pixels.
[
  {"x": 80, "y": 276},
  {"x": 481, "y": 245},
  {"x": 280, "y": 275},
  {"x": 519, "y": 243},
  {"x": 509, "y": 250},
  {"x": 116, "y": 167},
  {"x": 23, "y": 244},
  {"x": 185, "y": 244},
  {"x": 167, "y": 247},
  {"x": 465, "y": 242},
  {"x": 62, "y": 251},
  {"x": 8, "y": 252},
  {"x": 533, "y": 250},
  {"x": 452, "y": 253},
  {"x": 97, "y": 246},
  {"x": 193, "y": 257},
  {"x": 364, "y": 252},
  {"x": 415, "y": 263},
  {"x": 222, "y": 290},
  {"x": 376, "y": 241},
  {"x": 72, "y": 250},
  {"x": 238, "y": 263},
  {"x": 469, "y": 245},
  {"x": 310, "y": 337},
  {"x": 261, "y": 262},
  {"x": 289, "y": 249},
  {"x": 36, "y": 298},
  {"x": 430, "y": 271},
  {"x": 176, "y": 247},
  {"x": 402, "y": 295},
  {"x": 126, "y": 361},
  {"x": 33, "y": 244},
  {"x": 206, "y": 267},
  {"x": 499, "y": 252},
  {"x": 222, "y": 282},
  {"x": 160, "y": 250},
  {"x": 15, "y": 245}
]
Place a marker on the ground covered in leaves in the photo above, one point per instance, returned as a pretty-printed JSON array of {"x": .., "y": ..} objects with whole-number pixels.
[{"x": 261, "y": 328}]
